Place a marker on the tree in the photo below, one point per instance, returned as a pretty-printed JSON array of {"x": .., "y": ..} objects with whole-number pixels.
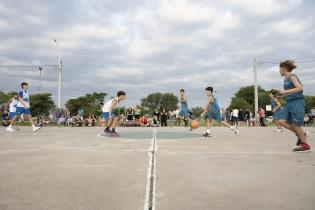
[
  {"x": 159, "y": 101},
  {"x": 309, "y": 103},
  {"x": 4, "y": 97},
  {"x": 90, "y": 103},
  {"x": 41, "y": 104},
  {"x": 240, "y": 103},
  {"x": 196, "y": 111}
]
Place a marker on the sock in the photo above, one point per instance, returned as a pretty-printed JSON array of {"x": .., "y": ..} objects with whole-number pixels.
[
  {"x": 208, "y": 131},
  {"x": 113, "y": 129}
]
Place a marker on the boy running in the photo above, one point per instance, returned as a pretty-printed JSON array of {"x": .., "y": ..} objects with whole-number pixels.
[
  {"x": 23, "y": 108},
  {"x": 212, "y": 112},
  {"x": 183, "y": 113},
  {"x": 295, "y": 104},
  {"x": 12, "y": 106},
  {"x": 108, "y": 114},
  {"x": 277, "y": 110}
]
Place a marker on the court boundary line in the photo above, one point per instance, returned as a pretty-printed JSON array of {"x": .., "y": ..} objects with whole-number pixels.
[{"x": 149, "y": 202}]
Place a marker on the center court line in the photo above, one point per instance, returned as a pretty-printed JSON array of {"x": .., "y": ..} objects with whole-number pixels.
[{"x": 149, "y": 202}]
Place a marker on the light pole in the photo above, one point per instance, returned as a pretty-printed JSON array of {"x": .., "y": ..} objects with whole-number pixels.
[
  {"x": 256, "y": 91},
  {"x": 59, "y": 75},
  {"x": 40, "y": 79}
]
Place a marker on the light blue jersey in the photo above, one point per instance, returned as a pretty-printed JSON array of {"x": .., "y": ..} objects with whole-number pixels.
[
  {"x": 288, "y": 84},
  {"x": 183, "y": 108},
  {"x": 214, "y": 110}
]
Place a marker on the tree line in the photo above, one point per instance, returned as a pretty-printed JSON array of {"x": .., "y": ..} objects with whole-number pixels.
[{"x": 42, "y": 104}]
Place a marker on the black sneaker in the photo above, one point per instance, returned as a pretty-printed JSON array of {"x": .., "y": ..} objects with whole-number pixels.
[
  {"x": 206, "y": 135},
  {"x": 107, "y": 130}
]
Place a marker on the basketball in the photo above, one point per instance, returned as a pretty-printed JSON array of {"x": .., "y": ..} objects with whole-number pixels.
[{"x": 194, "y": 124}]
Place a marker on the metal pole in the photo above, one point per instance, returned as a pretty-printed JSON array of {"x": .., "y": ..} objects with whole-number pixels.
[
  {"x": 256, "y": 91},
  {"x": 40, "y": 79},
  {"x": 59, "y": 83}
]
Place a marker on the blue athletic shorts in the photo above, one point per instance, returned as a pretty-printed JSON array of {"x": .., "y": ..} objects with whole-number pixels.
[
  {"x": 11, "y": 115},
  {"x": 214, "y": 116},
  {"x": 21, "y": 110},
  {"x": 184, "y": 113},
  {"x": 106, "y": 115},
  {"x": 295, "y": 111},
  {"x": 280, "y": 114}
]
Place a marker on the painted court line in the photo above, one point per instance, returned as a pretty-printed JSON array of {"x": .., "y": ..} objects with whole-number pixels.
[{"x": 149, "y": 202}]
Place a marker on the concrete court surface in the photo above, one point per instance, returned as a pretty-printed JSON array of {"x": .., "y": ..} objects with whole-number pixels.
[{"x": 73, "y": 168}]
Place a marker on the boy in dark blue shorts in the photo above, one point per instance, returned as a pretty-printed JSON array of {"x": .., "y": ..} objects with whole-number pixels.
[
  {"x": 108, "y": 114},
  {"x": 23, "y": 108},
  {"x": 295, "y": 104},
  {"x": 212, "y": 112},
  {"x": 277, "y": 110}
]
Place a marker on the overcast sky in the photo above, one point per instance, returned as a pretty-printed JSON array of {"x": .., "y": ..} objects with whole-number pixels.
[{"x": 144, "y": 46}]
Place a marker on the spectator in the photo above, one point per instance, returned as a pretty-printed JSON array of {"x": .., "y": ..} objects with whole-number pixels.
[
  {"x": 247, "y": 117},
  {"x": 70, "y": 121},
  {"x": 157, "y": 117},
  {"x": 235, "y": 118},
  {"x": 172, "y": 115},
  {"x": 262, "y": 116},
  {"x": 90, "y": 121},
  {"x": 144, "y": 122},
  {"x": 5, "y": 118},
  {"x": 137, "y": 112},
  {"x": 177, "y": 117},
  {"x": 61, "y": 121},
  {"x": 130, "y": 117},
  {"x": 306, "y": 120},
  {"x": 78, "y": 122},
  {"x": 164, "y": 118},
  {"x": 57, "y": 115},
  {"x": 81, "y": 113},
  {"x": 251, "y": 120}
]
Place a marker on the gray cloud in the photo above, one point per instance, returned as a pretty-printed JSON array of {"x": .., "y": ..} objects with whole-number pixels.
[{"x": 146, "y": 46}]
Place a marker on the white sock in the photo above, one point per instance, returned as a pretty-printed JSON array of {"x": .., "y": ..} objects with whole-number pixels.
[
  {"x": 208, "y": 131},
  {"x": 10, "y": 126}
]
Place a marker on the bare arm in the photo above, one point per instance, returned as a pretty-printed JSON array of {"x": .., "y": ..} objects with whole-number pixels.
[
  {"x": 114, "y": 102},
  {"x": 206, "y": 109},
  {"x": 9, "y": 102},
  {"x": 298, "y": 87}
]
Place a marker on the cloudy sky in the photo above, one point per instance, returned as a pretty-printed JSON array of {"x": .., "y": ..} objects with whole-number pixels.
[{"x": 144, "y": 46}]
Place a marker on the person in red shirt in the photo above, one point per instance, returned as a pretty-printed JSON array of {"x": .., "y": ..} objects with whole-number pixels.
[{"x": 262, "y": 116}]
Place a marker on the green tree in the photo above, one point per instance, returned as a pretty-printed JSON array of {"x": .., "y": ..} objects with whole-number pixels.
[
  {"x": 240, "y": 103},
  {"x": 196, "y": 111},
  {"x": 4, "y": 97},
  {"x": 309, "y": 103},
  {"x": 90, "y": 103},
  {"x": 41, "y": 104},
  {"x": 159, "y": 101}
]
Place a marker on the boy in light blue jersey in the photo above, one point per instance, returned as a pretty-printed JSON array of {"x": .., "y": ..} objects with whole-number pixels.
[
  {"x": 277, "y": 110},
  {"x": 295, "y": 104},
  {"x": 23, "y": 108},
  {"x": 212, "y": 112},
  {"x": 184, "y": 112}
]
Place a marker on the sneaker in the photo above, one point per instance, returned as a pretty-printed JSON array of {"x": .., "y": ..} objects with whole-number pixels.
[
  {"x": 107, "y": 130},
  {"x": 303, "y": 148},
  {"x": 10, "y": 129},
  {"x": 114, "y": 134},
  {"x": 36, "y": 128},
  {"x": 278, "y": 130},
  {"x": 206, "y": 135},
  {"x": 298, "y": 143},
  {"x": 233, "y": 128}
]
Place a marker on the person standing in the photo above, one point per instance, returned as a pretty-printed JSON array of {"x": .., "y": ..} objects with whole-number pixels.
[
  {"x": 262, "y": 116},
  {"x": 164, "y": 118},
  {"x": 235, "y": 118}
]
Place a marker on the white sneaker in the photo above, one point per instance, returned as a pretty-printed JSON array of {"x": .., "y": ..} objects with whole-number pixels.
[
  {"x": 36, "y": 128},
  {"x": 278, "y": 130},
  {"x": 233, "y": 128},
  {"x": 10, "y": 129}
]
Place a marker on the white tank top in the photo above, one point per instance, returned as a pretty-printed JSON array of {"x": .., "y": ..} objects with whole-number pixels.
[
  {"x": 108, "y": 104},
  {"x": 24, "y": 95},
  {"x": 13, "y": 105}
]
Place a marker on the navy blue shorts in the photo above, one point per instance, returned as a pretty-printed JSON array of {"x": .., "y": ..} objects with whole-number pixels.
[
  {"x": 214, "y": 116},
  {"x": 280, "y": 114},
  {"x": 21, "y": 110},
  {"x": 295, "y": 111},
  {"x": 106, "y": 115},
  {"x": 11, "y": 115}
]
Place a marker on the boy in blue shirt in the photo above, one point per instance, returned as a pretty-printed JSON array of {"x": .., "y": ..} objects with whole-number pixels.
[
  {"x": 295, "y": 104},
  {"x": 212, "y": 112},
  {"x": 23, "y": 108}
]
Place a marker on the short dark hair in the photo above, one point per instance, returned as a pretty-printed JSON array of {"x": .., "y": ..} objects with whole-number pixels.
[
  {"x": 121, "y": 93},
  {"x": 14, "y": 94},
  {"x": 182, "y": 90},
  {"x": 209, "y": 89},
  {"x": 23, "y": 83},
  {"x": 288, "y": 64},
  {"x": 274, "y": 92}
]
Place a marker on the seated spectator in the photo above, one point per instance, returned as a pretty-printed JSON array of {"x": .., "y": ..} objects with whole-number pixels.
[
  {"x": 144, "y": 122},
  {"x": 90, "y": 121},
  {"x": 78, "y": 122},
  {"x": 61, "y": 121},
  {"x": 306, "y": 120},
  {"x": 70, "y": 121}
]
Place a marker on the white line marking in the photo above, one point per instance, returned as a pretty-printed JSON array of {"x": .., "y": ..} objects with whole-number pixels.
[{"x": 151, "y": 156}]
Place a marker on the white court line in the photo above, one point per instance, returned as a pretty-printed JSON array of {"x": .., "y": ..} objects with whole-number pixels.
[{"x": 151, "y": 156}]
